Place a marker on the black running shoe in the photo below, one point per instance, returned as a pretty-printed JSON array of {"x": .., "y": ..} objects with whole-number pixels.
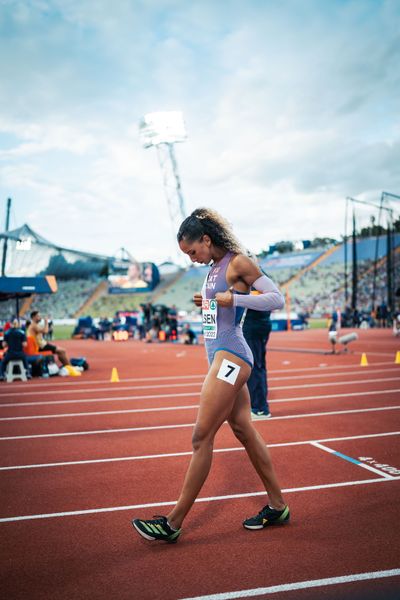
[
  {"x": 266, "y": 517},
  {"x": 156, "y": 529}
]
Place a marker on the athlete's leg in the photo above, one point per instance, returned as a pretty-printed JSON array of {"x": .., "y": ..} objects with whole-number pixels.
[
  {"x": 244, "y": 430},
  {"x": 62, "y": 356},
  {"x": 216, "y": 402}
]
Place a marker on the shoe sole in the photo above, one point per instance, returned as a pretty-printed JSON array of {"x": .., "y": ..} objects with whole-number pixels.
[
  {"x": 146, "y": 536},
  {"x": 258, "y": 417},
  {"x": 274, "y": 523},
  {"x": 142, "y": 533}
]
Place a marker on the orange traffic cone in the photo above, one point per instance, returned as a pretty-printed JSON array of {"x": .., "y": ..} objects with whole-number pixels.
[
  {"x": 397, "y": 359},
  {"x": 364, "y": 361}
]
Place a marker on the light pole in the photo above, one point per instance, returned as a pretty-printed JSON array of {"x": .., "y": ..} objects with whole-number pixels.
[
  {"x": 389, "y": 250},
  {"x": 162, "y": 130}
]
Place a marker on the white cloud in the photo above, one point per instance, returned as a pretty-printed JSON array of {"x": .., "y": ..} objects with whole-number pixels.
[{"x": 290, "y": 108}]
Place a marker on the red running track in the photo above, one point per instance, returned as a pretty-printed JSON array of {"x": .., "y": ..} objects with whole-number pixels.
[{"x": 81, "y": 456}]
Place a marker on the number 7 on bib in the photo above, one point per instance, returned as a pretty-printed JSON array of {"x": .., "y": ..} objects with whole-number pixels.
[{"x": 228, "y": 371}]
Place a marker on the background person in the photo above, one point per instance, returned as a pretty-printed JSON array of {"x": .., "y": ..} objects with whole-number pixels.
[
  {"x": 14, "y": 342},
  {"x": 188, "y": 335},
  {"x": 256, "y": 330},
  {"x": 37, "y": 331}
]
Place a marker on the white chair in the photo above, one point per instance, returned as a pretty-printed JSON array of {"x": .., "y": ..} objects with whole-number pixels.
[{"x": 15, "y": 370}]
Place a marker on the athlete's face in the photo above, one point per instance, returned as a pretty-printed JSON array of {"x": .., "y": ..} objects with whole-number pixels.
[{"x": 198, "y": 251}]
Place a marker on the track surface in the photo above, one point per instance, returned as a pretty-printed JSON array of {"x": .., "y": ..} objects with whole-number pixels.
[{"x": 82, "y": 456}]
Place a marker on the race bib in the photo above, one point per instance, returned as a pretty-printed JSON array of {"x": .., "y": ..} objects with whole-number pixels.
[
  {"x": 228, "y": 371},
  {"x": 209, "y": 311}
]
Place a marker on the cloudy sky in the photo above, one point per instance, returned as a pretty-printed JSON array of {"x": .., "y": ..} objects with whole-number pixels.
[{"x": 290, "y": 106}]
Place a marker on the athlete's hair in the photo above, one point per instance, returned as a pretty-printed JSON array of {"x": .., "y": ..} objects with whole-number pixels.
[{"x": 207, "y": 221}]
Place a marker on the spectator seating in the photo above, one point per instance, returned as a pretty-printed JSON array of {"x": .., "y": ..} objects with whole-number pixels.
[
  {"x": 109, "y": 304},
  {"x": 71, "y": 294},
  {"x": 181, "y": 291}
]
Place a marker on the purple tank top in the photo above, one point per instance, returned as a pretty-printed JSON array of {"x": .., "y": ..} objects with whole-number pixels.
[{"x": 222, "y": 326}]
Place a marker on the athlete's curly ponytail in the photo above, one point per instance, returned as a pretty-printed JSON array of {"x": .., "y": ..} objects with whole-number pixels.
[{"x": 208, "y": 221}]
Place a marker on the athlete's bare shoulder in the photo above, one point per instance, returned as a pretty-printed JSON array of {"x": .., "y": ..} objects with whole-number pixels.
[{"x": 243, "y": 268}]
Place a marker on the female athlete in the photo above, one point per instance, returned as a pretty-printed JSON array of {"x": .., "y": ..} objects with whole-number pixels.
[{"x": 207, "y": 238}]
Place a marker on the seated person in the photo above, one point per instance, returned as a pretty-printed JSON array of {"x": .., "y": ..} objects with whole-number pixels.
[
  {"x": 37, "y": 331},
  {"x": 14, "y": 341},
  {"x": 188, "y": 335}
]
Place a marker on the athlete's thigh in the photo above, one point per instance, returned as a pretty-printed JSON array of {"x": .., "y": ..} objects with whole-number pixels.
[{"x": 227, "y": 375}]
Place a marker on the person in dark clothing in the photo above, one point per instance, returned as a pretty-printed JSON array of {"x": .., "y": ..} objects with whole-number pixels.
[
  {"x": 256, "y": 330},
  {"x": 189, "y": 336},
  {"x": 15, "y": 341}
]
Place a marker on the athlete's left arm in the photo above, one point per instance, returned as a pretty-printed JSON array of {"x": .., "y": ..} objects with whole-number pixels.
[{"x": 269, "y": 296}]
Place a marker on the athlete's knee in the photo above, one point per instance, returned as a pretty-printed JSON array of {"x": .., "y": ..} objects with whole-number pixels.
[
  {"x": 201, "y": 437},
  {"x": 242, "y": 431}
]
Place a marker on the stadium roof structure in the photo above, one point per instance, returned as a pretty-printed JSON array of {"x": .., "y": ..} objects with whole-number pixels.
[
  {"x": 29, "y": 254},
  {"x": 23, "y": 287}
]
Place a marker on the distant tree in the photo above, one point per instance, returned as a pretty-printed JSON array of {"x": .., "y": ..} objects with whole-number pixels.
[
  {"x": 284, "y": 247},
  {"x": 371, "y": 231},
  {"x": 323, "y": 242}
]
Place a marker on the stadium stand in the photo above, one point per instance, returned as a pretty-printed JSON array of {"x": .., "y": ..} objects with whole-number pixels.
[
  {"x": 7, "y": 310},
  {"x": 180, "y": 293},
  {"x": 71, "y": 295},
  {"x": 321, "y": 289},
  {"x": 108, "y": 305},
  {"x": 284, "y": 267}
]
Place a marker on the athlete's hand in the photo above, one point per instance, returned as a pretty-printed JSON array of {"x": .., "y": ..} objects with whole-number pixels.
[
  {"x": 198, "y": 299},
  {"x": 224, "y": 299}
]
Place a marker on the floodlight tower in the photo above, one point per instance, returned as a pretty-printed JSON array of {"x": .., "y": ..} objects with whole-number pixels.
[{"x": 162, "y": 130}]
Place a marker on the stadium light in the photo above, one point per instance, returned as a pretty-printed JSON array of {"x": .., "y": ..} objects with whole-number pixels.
[{"x": 162, "y": 130}]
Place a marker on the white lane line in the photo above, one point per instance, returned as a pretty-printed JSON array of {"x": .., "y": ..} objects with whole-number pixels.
[
  {"x": 179, "y": 454},
  {"x": 299, "y": 585},
  {"x": 180, "y": 407},
  {"x": 62, "y": 384},
  {"x": 334, "y": 383},
  {"x": 346, "y": 395},
  {"x": 160, "y": 427},
  {"x": 351, "y": 460},
  {"x": 100, "y": 413},
  {"x": 107, "y": 399},
  {"x": 179, "y": 385},
  {"x": 166, "y": 408},
  {"x": 92, "y": 511},
  {"x": 115, "y": 388},
  {"x": 278, "y": 387},
  {"x": 186, "y": 395}
]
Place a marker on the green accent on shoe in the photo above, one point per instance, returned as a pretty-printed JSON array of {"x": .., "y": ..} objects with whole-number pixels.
[
  {"x": 285, "y": 514},
  {"x": 162, "y": 530},
  {"x": 156, "y": 529},
  {"x": 267, "y": 517}
]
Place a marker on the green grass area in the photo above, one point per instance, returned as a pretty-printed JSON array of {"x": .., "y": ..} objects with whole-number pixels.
[
  {"x": 317, "y": 323},
  {"x": 109, "y": 304},
  {"x": 63, "y": 332}
]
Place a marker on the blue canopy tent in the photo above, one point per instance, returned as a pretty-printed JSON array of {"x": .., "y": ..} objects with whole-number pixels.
[{"x": 22, "y": 287}]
